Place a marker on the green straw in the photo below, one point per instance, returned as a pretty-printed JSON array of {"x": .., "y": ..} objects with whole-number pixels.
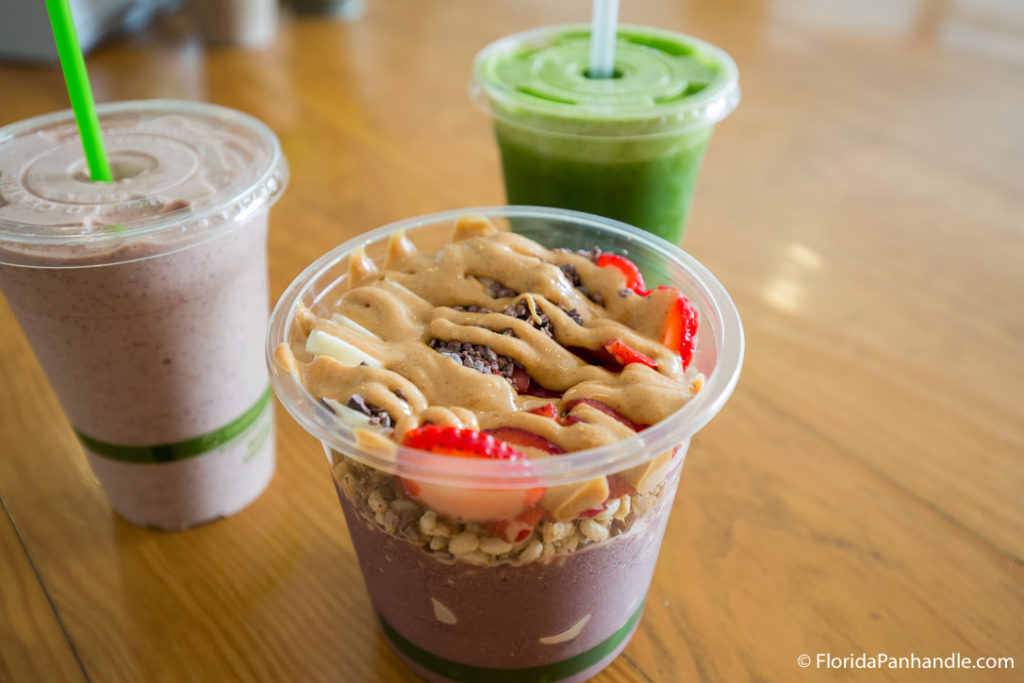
[{"x": 73, "y": 65}]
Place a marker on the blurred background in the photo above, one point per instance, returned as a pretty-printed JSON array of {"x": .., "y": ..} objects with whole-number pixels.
[
  {"x": 988, "y": 26},
  {"x": 25, "y": 32}
]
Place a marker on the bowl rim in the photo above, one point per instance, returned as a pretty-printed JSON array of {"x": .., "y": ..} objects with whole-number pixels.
[{"x": 569, "y": 468}]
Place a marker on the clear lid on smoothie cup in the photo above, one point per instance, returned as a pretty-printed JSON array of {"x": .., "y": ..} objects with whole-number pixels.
[
  {"x": 664, "y": 82},
  {"x": 718, "y": 354},
  {"x": 183, "y": 172}
]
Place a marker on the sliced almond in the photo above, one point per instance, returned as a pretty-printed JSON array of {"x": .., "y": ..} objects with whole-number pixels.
[
  {"x": 648, "y": 475},
  {"x": 351, "y": 324},
  {"x": 347, "y": 415},
  {"x": 567, "y": 501},
  {"x": 284, "y": 358},
  {"x": 442, "y": 613},
  {"x": 568, "y": 634},
  {"x": 324, "y": 344}
]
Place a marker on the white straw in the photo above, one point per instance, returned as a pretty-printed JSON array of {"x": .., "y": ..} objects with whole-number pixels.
[{"x": 602, "y": 38}]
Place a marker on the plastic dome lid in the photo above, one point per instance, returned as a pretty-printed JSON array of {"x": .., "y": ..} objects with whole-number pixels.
[{"x": 182, "y": 170}]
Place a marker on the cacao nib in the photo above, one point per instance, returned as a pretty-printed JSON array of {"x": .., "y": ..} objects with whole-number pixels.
[
  {"x": 573, "y": 313},
  {"x": 569, "y": 271},
  {"x": 476, "y": 356},
  {"x": 592, "y": 254},
  {"x": 378, "y": 416},
  {"x": 521, "y": 311},
  {"x": 593, "y": 296},
  {"x": 496, "y": 289}
]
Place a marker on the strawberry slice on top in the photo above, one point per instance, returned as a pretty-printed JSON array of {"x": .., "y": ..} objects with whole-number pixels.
[
  {"x": 634, "y": 280},
  {"x": 546, "y": 410},
  {"x": 478, "y": 504},
  {"x": 624, "y": 354},
  {"x": 517, "y": 436},
  {"x": 680, "y": 331},
  {"x": 604, "y": 408},
  {"x": 466, "y": 443}
]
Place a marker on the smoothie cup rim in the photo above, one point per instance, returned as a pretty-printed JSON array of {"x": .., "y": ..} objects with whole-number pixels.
[
  {"x": 252, "y": 191},
  {"x": 712, "y": 104},
  {"x": 391, "y": 458}
]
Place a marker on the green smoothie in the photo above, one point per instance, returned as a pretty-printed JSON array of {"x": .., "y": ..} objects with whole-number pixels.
[{"x": 627, "y": 147}]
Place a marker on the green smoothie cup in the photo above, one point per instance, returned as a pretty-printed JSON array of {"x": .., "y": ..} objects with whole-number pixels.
[{"x": 627, "y": 147}]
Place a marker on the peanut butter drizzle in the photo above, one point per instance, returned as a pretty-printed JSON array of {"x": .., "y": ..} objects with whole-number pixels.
[{"x": 411, "y": 301}]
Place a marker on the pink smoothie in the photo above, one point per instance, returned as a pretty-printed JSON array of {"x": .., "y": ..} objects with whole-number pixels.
[{"x": 145, "y": 299}]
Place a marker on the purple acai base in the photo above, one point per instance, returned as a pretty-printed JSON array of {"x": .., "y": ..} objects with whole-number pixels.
[{"x": 506, "y": 618}]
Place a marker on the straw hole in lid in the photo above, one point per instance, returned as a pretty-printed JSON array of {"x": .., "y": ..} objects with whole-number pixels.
[{"x": 616, "y": 73}]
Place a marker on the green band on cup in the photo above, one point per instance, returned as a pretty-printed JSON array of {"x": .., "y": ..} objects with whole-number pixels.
[
  {"x": 180, "y": 450},
  {"x": 545, "y": 673}
]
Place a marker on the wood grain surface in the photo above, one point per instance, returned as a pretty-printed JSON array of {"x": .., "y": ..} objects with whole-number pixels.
[{"x": 860, "y": 493}]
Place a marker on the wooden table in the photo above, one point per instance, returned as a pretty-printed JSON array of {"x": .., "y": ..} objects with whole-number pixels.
[{"x": 860, "y": 493}]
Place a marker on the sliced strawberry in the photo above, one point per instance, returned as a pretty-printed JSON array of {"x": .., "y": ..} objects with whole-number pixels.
[
  {"x": 634, "y": 280},
  {"x": 538, "y": 391},
  {"x": 606, "y": 409},
  {"x": 467, "y": 503},
  {"x": 410, "y": 488},
  {"x": 618, "y": 487},
  {"x": 465, "y": 443},
  {"x": 525, "y": 439},
  {"x": 546, "y": 410},
  {"x": 624, "y": 354},
  {"x": 519, "y": 527},
  {"x": 588, "y": 356},
  {"x": 520, "y": 380},
  {"x": 680, "y": 330}
]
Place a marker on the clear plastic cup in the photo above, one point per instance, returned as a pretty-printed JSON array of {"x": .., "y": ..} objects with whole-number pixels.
[
  {"x": 628, "y": 147},
  {"x": 543, "y": 610},
  {"x": 146, "y": 299}
]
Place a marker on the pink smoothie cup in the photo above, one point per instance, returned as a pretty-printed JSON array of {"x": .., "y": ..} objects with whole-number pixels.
[
  {"x": 544, "y": 609},
  {"x": 145, "y": 299}
]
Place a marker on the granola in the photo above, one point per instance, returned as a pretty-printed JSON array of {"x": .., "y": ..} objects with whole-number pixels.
[{"x": 376, "y": 497}]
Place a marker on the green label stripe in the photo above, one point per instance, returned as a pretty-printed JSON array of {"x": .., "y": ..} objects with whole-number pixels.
[
  {"x": 169, "y": 452},
  {"x": 545, "y": 673}
]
